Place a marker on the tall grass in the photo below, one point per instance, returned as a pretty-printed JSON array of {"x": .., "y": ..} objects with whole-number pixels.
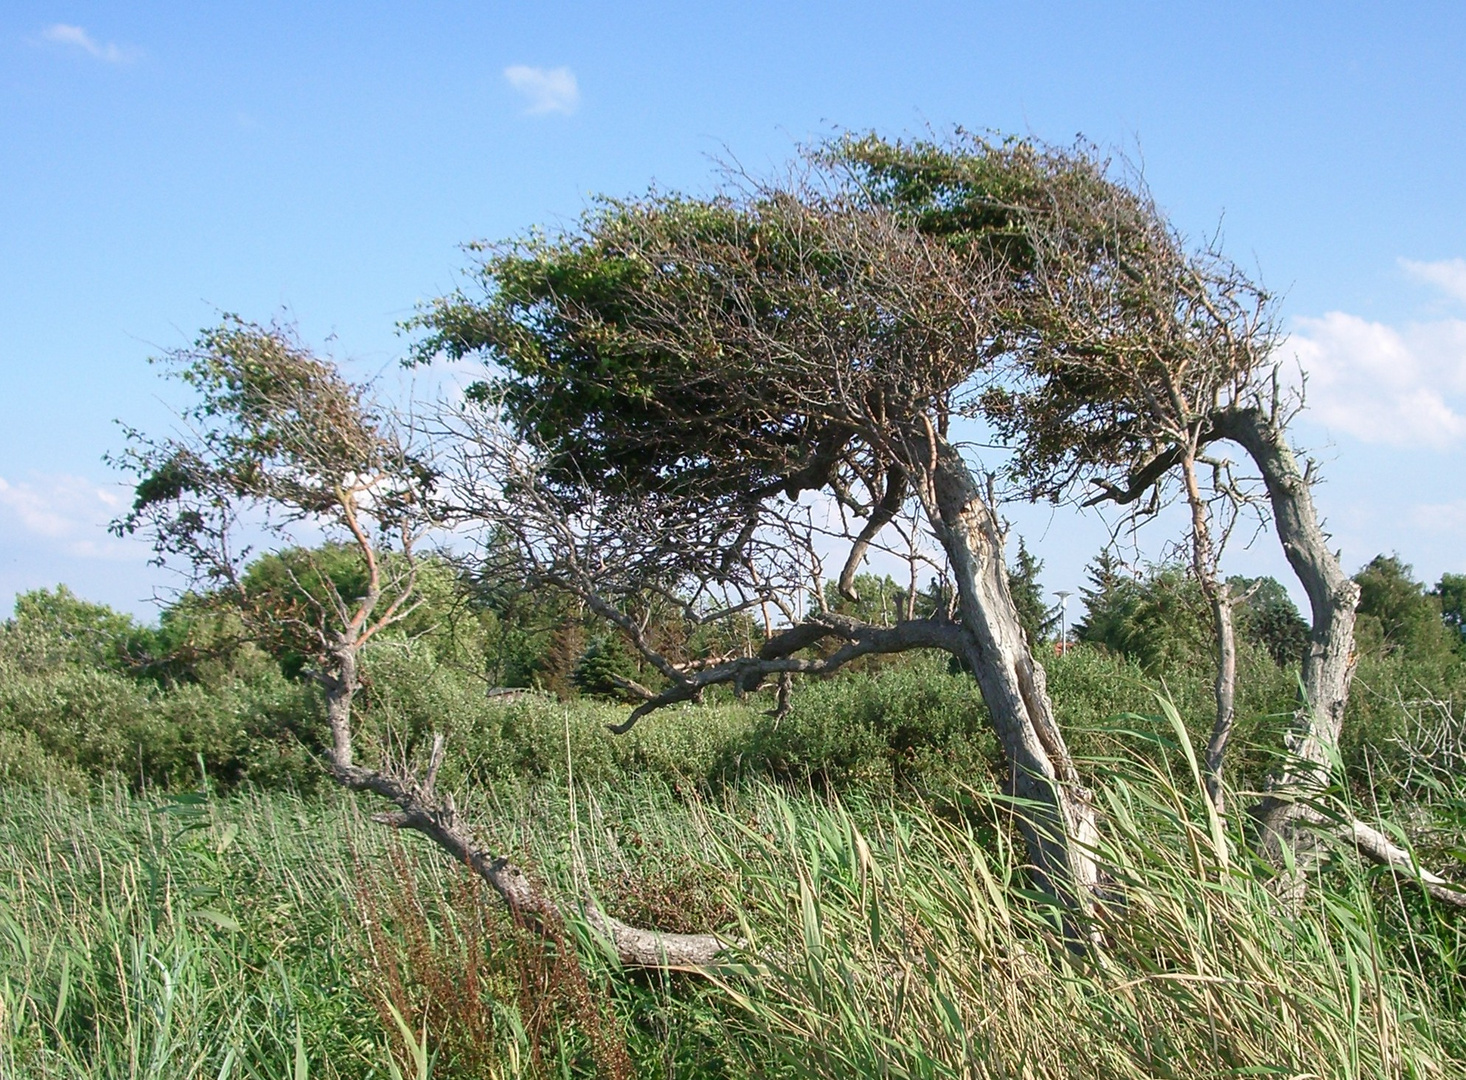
[
  {"x": 176, "y": 940},
  {"x": 905, "y": 946},
  {"x": 269, "y": 936}
]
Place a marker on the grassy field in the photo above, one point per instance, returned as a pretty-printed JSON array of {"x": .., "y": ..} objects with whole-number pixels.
[{"x": 882, "y": 934}]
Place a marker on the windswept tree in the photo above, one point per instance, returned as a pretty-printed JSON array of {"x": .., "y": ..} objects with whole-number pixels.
[
  {"x": 1129, "y": 344},
  {"x": 679, "y": 385},
  {"x": 1140, "y": 359},
  {"x": 278, "y": 444},
  {"x": 709, "y": 398},
  {"x": 1130, "y": 359}
]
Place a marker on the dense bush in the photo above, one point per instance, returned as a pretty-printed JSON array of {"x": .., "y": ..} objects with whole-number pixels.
[
  {"x": 86, "y": 691},
  {"x": 76, "y": 684},
  {"x": 900, "y": 723},
  {"x": 1108, "y": 704}
]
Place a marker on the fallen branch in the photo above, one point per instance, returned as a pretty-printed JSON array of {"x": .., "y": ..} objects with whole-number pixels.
[
  {"x": 1379, "y": 849},
  {"x": 748, "y": 672},
  {"x": 529, "y": 905}
]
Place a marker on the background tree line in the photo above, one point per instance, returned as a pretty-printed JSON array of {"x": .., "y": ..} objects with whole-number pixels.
[{"x": 90, "y": 691}]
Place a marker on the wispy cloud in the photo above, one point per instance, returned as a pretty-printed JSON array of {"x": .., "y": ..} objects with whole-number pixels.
[
  {"x": 66, "y": 512},
  {"x": 1383, "y": 384},
  {"x": 548, "y": 90},
  {"x": 76, "y": 37},
  {"x": 1447, "y": 517},
  {"x": 1447, "y": 275}
]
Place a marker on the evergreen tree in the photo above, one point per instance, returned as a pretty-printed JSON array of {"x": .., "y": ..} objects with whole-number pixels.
[
  {"x": 1109, "y": 601},
  {"x": 1270, "y": 619},
  {"x": 1037, "y": 618},
  {"x": 556, "y": 669},
  {"x": 604, "y": 662}
]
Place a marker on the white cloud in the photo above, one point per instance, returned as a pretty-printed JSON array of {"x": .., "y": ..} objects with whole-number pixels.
[
  {"x": 66, "y": 511},
  {"x": 1449, "y": 517},
  {"x": 77, "y": 38},
  {"x": 548, "y": 90},
  {"x": 1448, "y": 275},
  {"x": 1382, "y": 384}
]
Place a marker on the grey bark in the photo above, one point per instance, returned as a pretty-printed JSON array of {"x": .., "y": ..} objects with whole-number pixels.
[
  {"x": 1286, "y": 813},
  {"x": 1225, "y": 693},
  {"x": 1328, "y": 663},
  {"x": 1058, "y": 816},
  {"x": 1379, "y": 849},
  {"x": 340, "y": 684},
  {"x": 419, "y": 808},
  {"x": 1204, "y": 565}
]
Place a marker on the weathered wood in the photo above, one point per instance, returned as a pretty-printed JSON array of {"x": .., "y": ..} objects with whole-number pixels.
[
  {"x": 1057, "y": 812},
  {"x": 528, "y": 902},
  {"x": 1328, "y": 663}
]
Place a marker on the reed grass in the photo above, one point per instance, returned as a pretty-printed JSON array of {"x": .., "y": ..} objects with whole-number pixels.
[{"x": 265, "y": 935}]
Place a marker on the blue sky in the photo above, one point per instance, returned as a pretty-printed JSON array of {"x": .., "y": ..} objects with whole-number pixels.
[{"x": 161, "y": 163}]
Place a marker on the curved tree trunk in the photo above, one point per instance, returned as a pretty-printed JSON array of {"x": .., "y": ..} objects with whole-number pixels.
[
  {"x": 421, "y": 809},
  {"x": 1058, "y": 816},
  {"x": 1328, "y": 669},
  {"x": 1328, "y": 664}
]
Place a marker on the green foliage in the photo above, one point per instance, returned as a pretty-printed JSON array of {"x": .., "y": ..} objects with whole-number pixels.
[
  {"x": 262, "y": 731},
  {"x": 686, "y": 348},
  {"x": 972, "y": 191},
  {"x": 87, "y": 692},
  {"x": 1162, "y": 619},
  {"x": 241, "y": 935},
  {"x": 1450, "y": 591},
  {"x": 554, "y": 669},
  {"x": 25, "y": 763},
  {"x": 1037, "y": 617},
  {"x": 95, "y": 693},
  {"x": 1108, "y": 599},
  {"x": 904, "y": 720},
  {"x": 604, "y": 667},
  {"x": 52, "y": 627},
  {"x": 1269, "y": 618},
  {"x": 1106, "y": 702},
  {"x": 274, "y": 428},
  {"x": 1397, "y": 615},
  {"x": 912, "y": 723},
  {"x": 287, "y": 596},
  {"x": 562, "y": 319}
]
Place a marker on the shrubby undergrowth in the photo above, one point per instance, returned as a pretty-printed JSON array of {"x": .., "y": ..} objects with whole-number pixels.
[
  {"x": 179, "y": 899},
  {"x": 267, "y": 935}
]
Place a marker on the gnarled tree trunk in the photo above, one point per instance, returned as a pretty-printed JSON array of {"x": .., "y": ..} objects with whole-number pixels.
[
  {"x": 1328, "y": 669},
  {"x": 421, "y": 809},
  {"x": 1328, "y": 663},
  {"x": 340, "y": 682},
  {"x": 1058, "y": 815}
]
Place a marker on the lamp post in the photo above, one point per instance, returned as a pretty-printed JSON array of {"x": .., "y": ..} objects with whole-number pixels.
[{"x": 1063, "y": 596}]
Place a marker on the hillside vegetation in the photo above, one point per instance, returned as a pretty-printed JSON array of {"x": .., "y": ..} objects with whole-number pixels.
[{"x": 183, "y": 897}]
